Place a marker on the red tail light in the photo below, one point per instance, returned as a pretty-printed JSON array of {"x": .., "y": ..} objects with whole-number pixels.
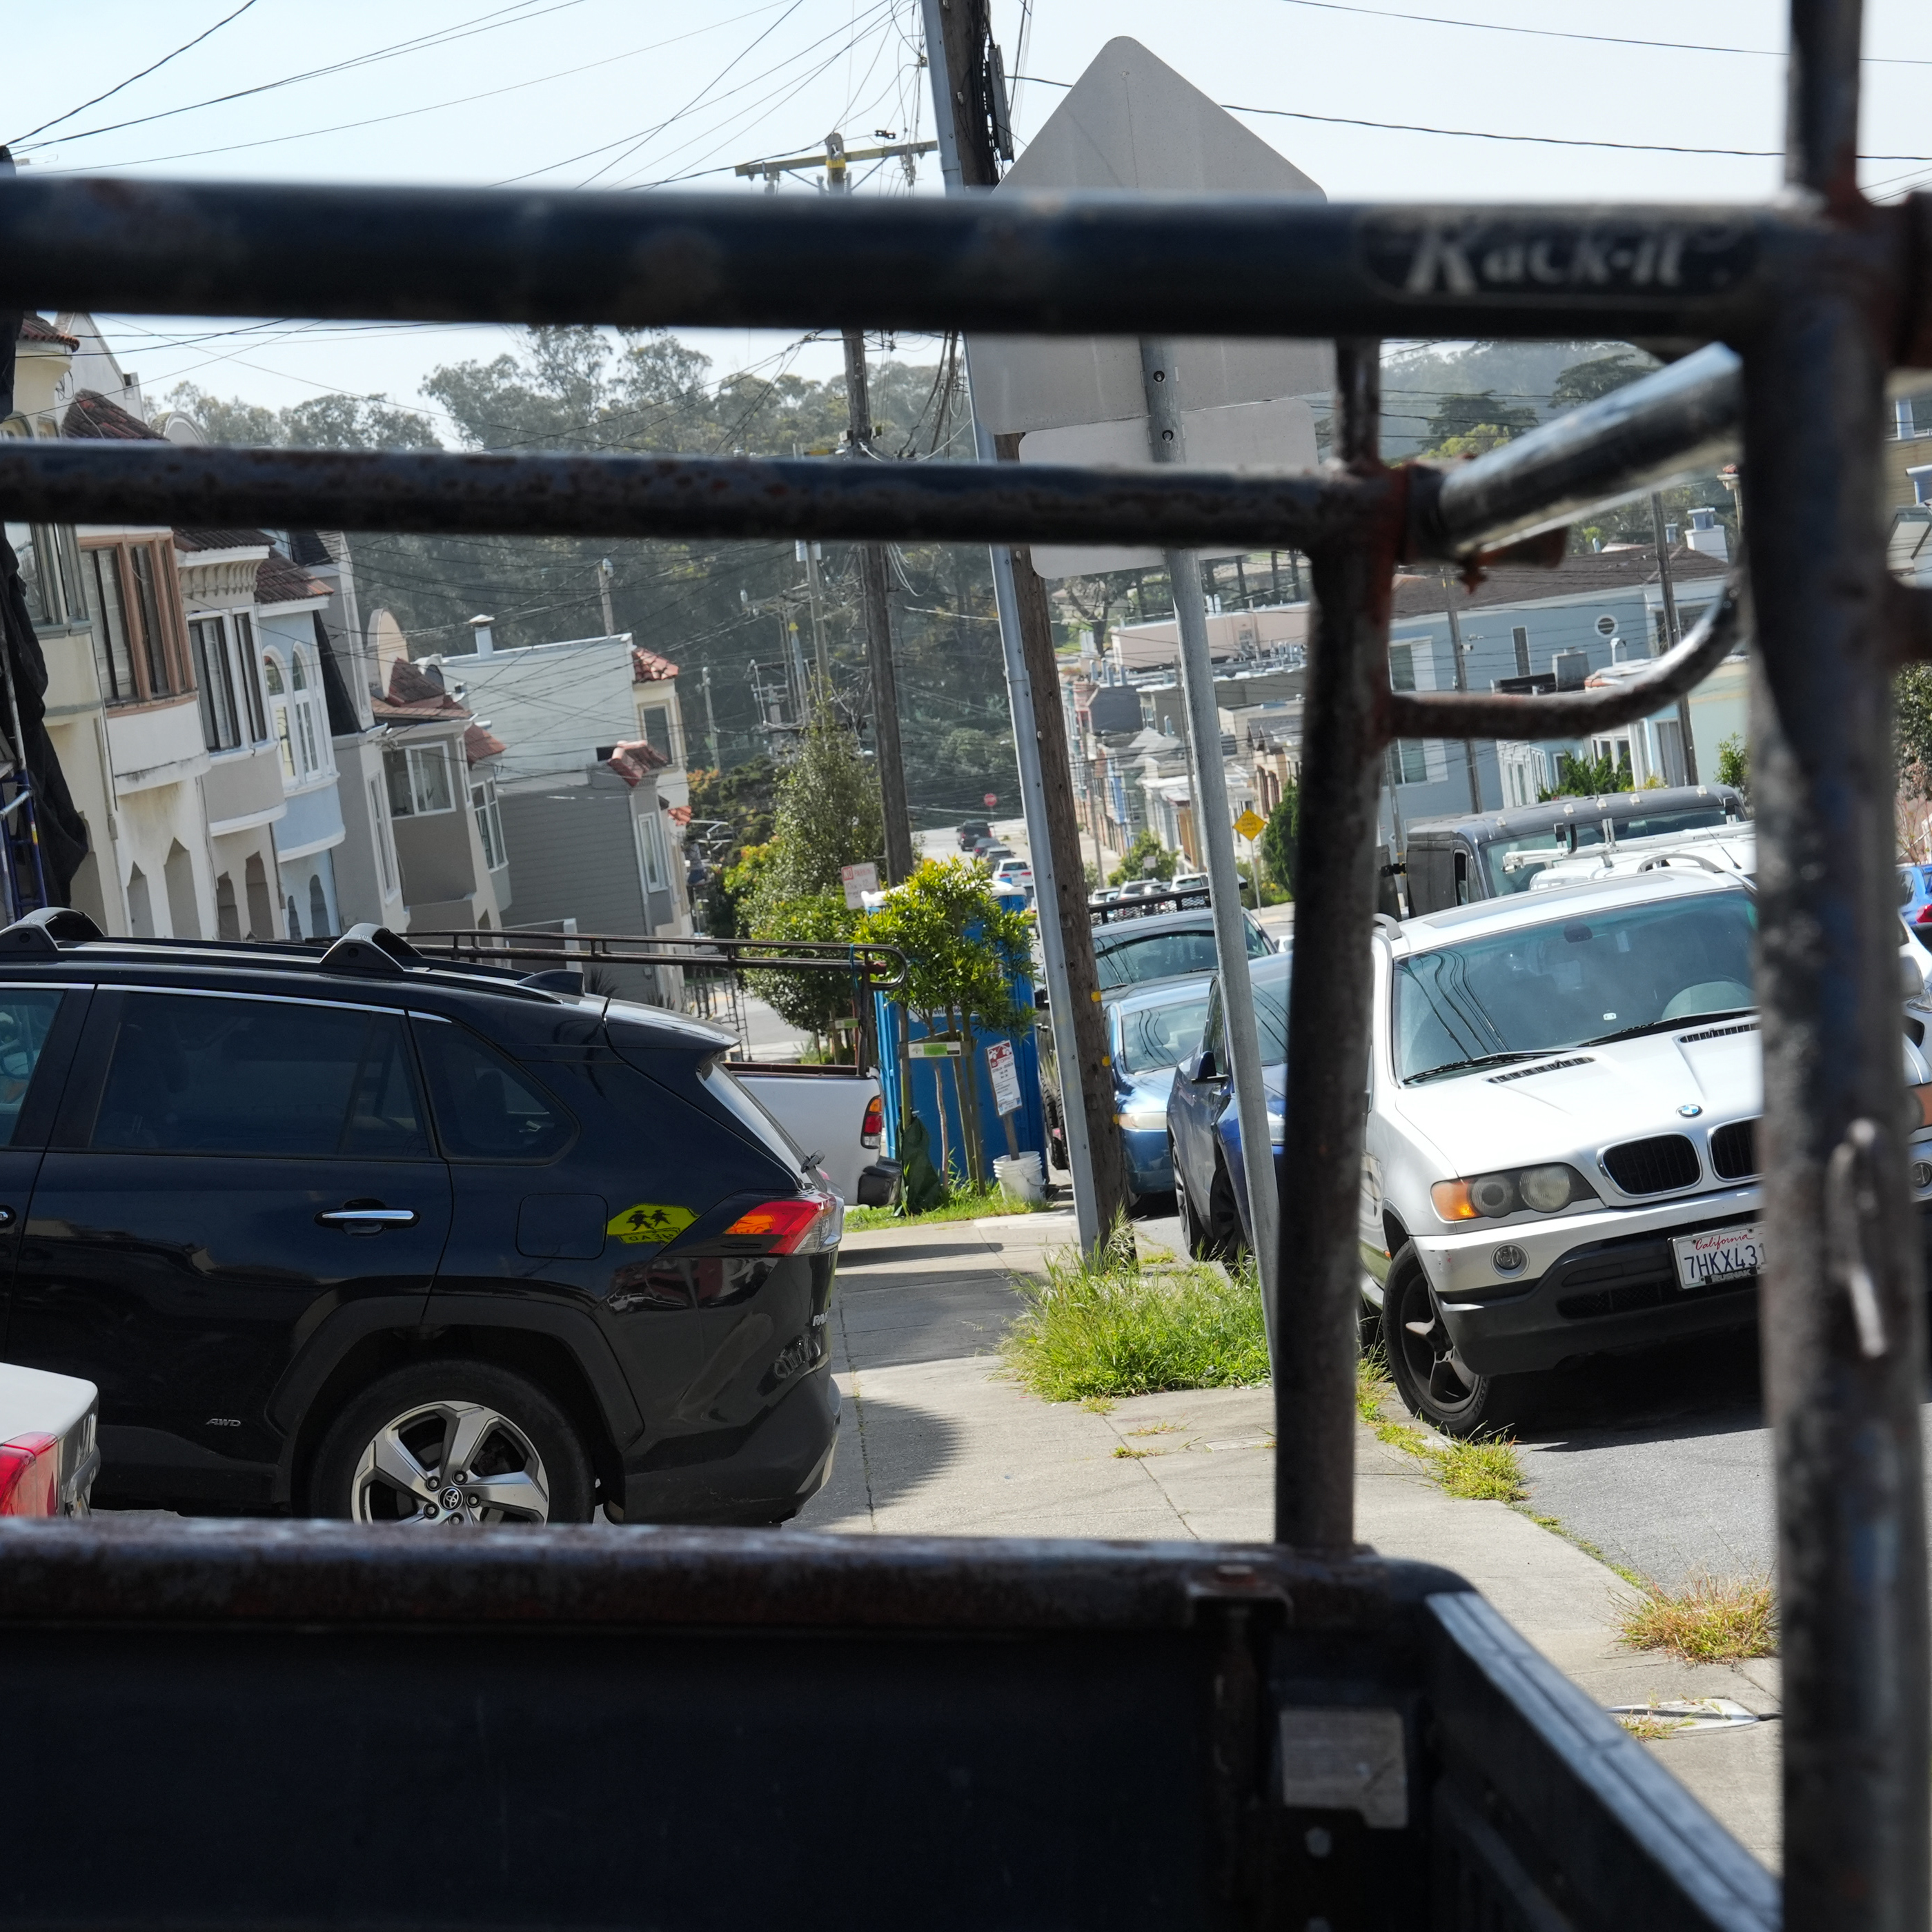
[
  {"x": 874, "y": 1125},
  {"x": 1925, "y": 914},
  {"x": 30, "y": 1476},
  {"x": 801, "y": 1224}
]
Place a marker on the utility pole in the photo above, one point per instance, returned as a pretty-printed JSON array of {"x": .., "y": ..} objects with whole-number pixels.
[
  {"x": 1673, "y": 632},
  {"x": 956, "y": 42},
  {"x": 873, "y": 585},
  {"x": 1462, "y": 684},
  {"x": 710, "y": 720},
  {"x": 808, "y": 555},
  {"x": 604, "y": 575}
]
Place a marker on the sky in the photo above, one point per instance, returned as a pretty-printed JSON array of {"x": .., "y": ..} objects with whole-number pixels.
[{"x": 617, "y": 94}]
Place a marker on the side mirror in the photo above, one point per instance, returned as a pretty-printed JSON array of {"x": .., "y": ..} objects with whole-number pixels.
[
  {"x": 1911, "y": 980},
  {"x": 1204, "y": 1066}
]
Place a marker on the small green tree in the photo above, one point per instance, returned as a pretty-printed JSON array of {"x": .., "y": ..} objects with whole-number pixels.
[
  {"x": 1281, "y": 843},
  {"x": 1734, "y": 764},
  {"x": 962, "y": 951},
  {"x": 1587, "y": 777},
  {"x": 1134, "y": 861},
  {"x": 826, "y": 818}
]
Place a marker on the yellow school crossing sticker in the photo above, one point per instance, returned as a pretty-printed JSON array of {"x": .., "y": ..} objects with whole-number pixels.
[
  {"x": 1251, "y": 824},
  {"x": 650, "y": 1221}
]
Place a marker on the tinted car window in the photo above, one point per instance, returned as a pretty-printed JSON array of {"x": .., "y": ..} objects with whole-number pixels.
[
  {"x": 487, "y": 1108},
  {"x": 1165, "y": 955},
  {"x": 24, "y": 1018},
  {"x": 1164, "y": 1035},
  {"x": 208, "y": 1075}
]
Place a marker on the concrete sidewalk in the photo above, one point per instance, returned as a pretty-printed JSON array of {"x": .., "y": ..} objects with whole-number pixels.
[{"x": 939, "y": 1440}]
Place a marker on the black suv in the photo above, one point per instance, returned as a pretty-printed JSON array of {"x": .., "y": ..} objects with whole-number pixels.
[{"x": 354, "y": 1233}]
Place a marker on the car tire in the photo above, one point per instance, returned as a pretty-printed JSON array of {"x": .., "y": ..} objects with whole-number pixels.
[
  {"x": 1193, "y": 1235},
  {"x": 1433, "y": 1384},
  {"x": 518, "y": 1458},
  {"x": 1226, "y": 1241}
]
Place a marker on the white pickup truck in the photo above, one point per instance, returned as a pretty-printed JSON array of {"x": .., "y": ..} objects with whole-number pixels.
[
  {"x": 834, "y": 1115},
  {"x": 48, "y": 1458},
  {"x": 1560, "y": 1157}
]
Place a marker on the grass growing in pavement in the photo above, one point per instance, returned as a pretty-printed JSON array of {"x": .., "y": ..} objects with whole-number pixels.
[
  {"x": 1488, "y": 1470},
  {"x": 1715, "y": 1620},
  {"x": 1116, "y": 1328},
  {"x": 967, "y": 1204}
]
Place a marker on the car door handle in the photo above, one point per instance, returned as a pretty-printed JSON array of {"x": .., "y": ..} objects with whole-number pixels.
[{"x": 368, "y": 1220}]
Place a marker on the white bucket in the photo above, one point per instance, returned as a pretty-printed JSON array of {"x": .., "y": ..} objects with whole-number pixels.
[{"x": 1021, "y": 1178}]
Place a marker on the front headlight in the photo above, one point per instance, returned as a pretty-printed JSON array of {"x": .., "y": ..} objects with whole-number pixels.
[
  {"x": 1546, "y": 1189},
  {"x": 1142, "y": 1119}
]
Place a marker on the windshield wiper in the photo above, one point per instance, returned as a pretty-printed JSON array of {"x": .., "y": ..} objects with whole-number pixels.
[
  {"x": 1480, "y": 1060},
  {"x": 1667, "y": 1026}
]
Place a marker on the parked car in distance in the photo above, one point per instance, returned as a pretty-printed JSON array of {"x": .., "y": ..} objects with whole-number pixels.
[
  {"x": 354, "y": 1233},
  {"x": 992, "y": 855},
  {"x": 1915, "y": 895},
  {"x": 1014, "y": 875},
  {"x": 48, "y": 1453},
  {"x": 1204, "y": 1126},
  {"x": 1561, "y": 1156},
  {"x": 1461, "y": 861},
  {"x": 972, "y": 832},
  {"x": 1164, "y": 945},
  {"x": 1188, "y": 882},
  {"x": 1150, "y": 1030}
]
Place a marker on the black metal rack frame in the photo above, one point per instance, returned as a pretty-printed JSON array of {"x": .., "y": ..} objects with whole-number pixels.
[{"x": 1820, "y": 295}]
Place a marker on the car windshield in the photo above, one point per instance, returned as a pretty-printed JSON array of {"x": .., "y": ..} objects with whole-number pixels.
[
  {"x": 1166, "y": 955},
  {"x": 1575, "y": 982},
  {"x": 1152, "y": 1037}
]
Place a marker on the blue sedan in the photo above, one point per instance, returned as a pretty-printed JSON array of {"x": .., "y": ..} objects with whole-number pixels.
[
  {"x": 1204, "y": 1129},
  {"x": 1150, "y": 1030}
]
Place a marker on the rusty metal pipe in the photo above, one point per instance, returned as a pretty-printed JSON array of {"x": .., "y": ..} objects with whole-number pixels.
[
  {"x": 1502, "y": 714},
  {"x": 1329, "y": 997},
  {"x": 1678, "y": 420},
  {"x": 85, "y": 481},
  {"x": 1197, "y": 265}
]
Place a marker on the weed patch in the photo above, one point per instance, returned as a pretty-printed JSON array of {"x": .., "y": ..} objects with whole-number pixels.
[
  {"x": 1122, "y": 1454},
  {"x": 1714, "y": 1620},
  {"x": 1486, "y": 1471},
  {"x": 1649, "y": 1725},
  {"x": 965, "y": 1203},
  {"x": 1114, "y": 1328},
  {"x": 1372, "y": 1386}
]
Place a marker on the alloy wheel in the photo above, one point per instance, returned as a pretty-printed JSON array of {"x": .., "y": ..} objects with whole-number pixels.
[
  {"x": 1430, "y": 1356},
  {"x": 451, "y": 1462}
]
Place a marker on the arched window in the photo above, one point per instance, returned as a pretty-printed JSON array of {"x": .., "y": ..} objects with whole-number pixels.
[{"x": 293, "y": 698}]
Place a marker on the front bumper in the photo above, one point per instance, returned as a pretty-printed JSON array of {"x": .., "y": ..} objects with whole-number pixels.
[
  {"x": 1592, "y": 1284},
  {"x": 1149, "y": 1169}
]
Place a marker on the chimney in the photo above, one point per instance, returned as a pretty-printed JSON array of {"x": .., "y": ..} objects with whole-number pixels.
[{"x": 481, "y": 625}]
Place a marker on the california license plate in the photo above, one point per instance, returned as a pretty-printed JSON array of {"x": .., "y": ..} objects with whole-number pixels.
[{"x": 1704, "y": 1259}]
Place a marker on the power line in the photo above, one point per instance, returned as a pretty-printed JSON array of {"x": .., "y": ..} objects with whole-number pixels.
[
  {"x": 1490, "y": 134},
  {"x": 481, "y": 23},
  {"x": 429, "y": 107},
  {"x": 1569, "y": 33},
  {"x": 154, "y": 68}
]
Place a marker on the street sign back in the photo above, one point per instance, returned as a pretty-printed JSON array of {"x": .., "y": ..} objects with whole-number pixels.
[{"x": 1132, "y": 122}]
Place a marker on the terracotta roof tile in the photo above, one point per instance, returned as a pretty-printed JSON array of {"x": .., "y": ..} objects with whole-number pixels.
[
  {"x": 91, "y": 414},
  {"x": 479, "y": 744},
  {"x": 279, "y": 581},
  {"x": 37, "y": 328},
  {"x": 194, "y": 540},
  {"x": 647, "y": 667},
  {"x": 636, "y": 761}
]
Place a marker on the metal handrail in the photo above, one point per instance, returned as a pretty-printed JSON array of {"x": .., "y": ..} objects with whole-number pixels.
[{"x": 880, "y": 968}]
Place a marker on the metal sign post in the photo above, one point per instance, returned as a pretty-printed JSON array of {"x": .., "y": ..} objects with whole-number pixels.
[{"x": 1167, "y": 441}]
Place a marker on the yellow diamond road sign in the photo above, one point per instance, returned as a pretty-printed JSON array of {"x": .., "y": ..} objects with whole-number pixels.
[{"x": 1251, "y": 824}]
